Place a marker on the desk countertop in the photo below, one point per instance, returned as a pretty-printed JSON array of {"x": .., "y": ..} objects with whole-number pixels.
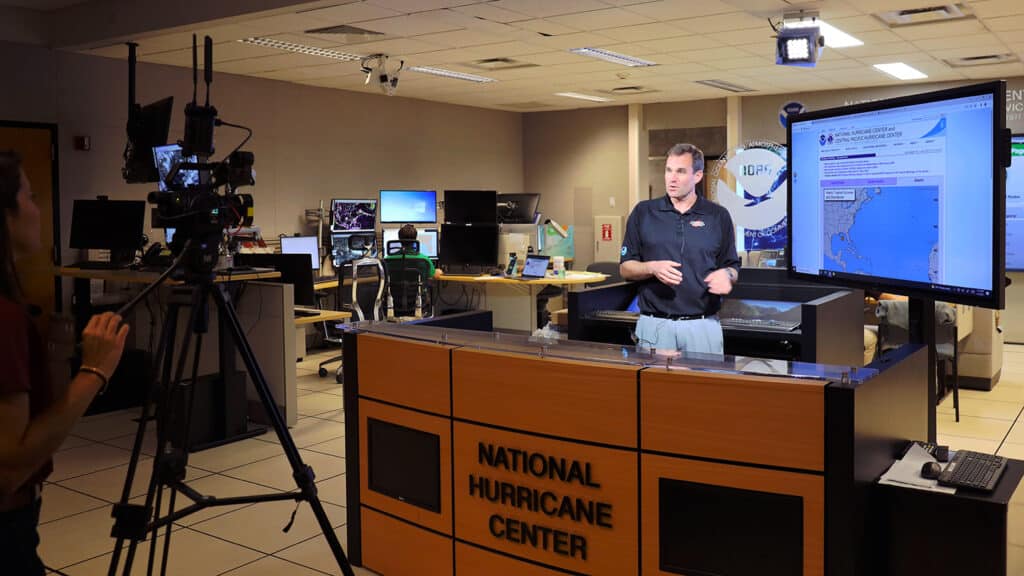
[
  {"x": 144, "y": 277},
  {"x": 571, "y": 278},
  {"x": 322, "y": 316}
]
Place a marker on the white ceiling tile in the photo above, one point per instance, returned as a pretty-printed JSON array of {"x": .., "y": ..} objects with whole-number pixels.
[
  {"x": 165, "y": 42},
  {"x": 549, "y": 58},
  {"x": 460, "y": 38},
  {"x": 960, "y": 42},
  {"x": 546, "y": 8},
  {"x": 745, "y": 62},
  {"x": 723, "y": 23},
  {"x": 410, "y": 25},
  {"x": 601, "y": 19},
  {"x": 665, "y": 10},
  {"x": 567, "y": 41},
  {"x": 947, "y": 30},
  {"x": 321, "y": 41},
  {"x": 270, "y": 63},
  {"x": 227, "y": 51},
  {"x": 492, "y": 13},
  {"x": 506, "y": 49},
  {"x": 545, "y": 27},
  {"x": 181, "y": 57},
  {"x": 967, "y": 51},
  {"x": 410, "y": 6},
  {"x": 912, "y": 58},
  {"x": 348, "y": 13},
  {"x": 679, "y": 44},
  {"x": 872, "y": 6},
  {"x": 633, "y": 49},
  {"x": 878, "y": 49},
  {"x": 996, "y": 8},
  {"x": 281, "y": 23},
  {"x": 740, "y": 37},
  {"x": 855, "y": 24},
  {"x": 993, "y": 71},
  {"x": 1006, "y": 23},
  {"x": 396, "y": 47},
  {"x": 876, "y": 37},
  {"x": 643, "y": 32},
  {"x": 310, "y": 72},
  {"x": 713, "y": 54}
]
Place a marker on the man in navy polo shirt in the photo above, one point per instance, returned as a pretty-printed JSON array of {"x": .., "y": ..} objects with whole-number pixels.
[{"x": 681, "y": 249}]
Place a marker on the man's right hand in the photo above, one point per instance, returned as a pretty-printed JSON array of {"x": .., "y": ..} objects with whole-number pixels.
[{"x": 666, "y": 271}]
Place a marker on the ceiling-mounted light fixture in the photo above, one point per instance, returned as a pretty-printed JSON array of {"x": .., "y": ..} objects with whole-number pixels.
[
  {"x": 301, "y": 49},
  {"x": 579, "y": 96},
  {"x": 451, "y": 74},
  {"x": 613, "y": 57}
]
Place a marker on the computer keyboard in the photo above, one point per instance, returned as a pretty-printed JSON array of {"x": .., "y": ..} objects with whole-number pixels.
[
  {"x": 620, "y": 315},
  {"x": 973, "y": 470},
  {"x": 770, "y": 324}
]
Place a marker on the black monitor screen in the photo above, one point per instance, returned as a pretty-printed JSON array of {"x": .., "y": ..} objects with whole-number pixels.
[
  {"x": 904, "y": 195},
  {"x": 404, "y": 463},
  {"x": 717, "y": 530},
  {"x": 517, "y": 208},
  {"x": 353, "y": 215},
  {"x": 1015, "y": 206},
  {"x": 107, "y": 224},
  {"x": 468, "y": 245},
  {"x": 295, "y": 269},
  {"x": 470, "y": 206},
  {"x": 408, "y": 206}
]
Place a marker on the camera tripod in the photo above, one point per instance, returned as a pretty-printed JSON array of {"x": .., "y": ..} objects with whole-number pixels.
[{"x": 170, "y": 402}]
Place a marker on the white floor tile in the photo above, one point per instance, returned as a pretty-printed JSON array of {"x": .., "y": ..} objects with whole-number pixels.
[
  {"x": 86, "y": 459},
  {"x": 271, "y": 566},
  {"x": 233, "y": 455},
  {"x": 318, "y": 403},
  {"x": 260, "y": 526},
  {"x": 59, "y": 502},
  {"x": 109, "y": 484},
  {"x": 277, "y": 472}
]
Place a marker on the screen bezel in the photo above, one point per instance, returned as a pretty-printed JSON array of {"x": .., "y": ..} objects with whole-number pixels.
[
  {"x": 376, "y": 214},
  {"x": 996, "y": 299},
  {"x": 1008, "y": 269},
  {"x": 380, "y": 211}
]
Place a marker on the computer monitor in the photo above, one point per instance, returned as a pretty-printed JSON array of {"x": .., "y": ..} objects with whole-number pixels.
[
  {"x": 302, "y": 245},
  {"x": 474, "y": 246},
  {"x": 904, "y": 195},
  {"x": 427, "y": 238},
  {"x": 107, "y": 224},
  {"x": 408, "y": 206},
  {"x": 470, "y": 207},
  {"x": 295, "y": 269},
  {"x": 353, "y": 215},
  {"x": 148, "y": 128},
  {"x": 517, "y": 208},
  {"x": 166, "y": 158},
  {"x": 169, "y": 235},
  {"x": 1015, "y": 206}
]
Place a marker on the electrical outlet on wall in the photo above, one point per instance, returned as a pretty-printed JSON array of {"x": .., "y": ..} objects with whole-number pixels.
[{"x": 611, "y": 201}]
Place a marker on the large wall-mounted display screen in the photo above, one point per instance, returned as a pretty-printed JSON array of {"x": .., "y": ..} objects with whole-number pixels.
[{"x": 1015, "y": 206}]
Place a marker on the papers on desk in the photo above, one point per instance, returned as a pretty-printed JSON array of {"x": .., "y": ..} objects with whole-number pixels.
[{"x": 907, "y": 472}]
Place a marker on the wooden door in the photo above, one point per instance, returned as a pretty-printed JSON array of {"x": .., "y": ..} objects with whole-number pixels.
[{"x": 37, "y": 146}]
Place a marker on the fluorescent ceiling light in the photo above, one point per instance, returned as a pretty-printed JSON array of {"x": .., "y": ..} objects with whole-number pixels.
[
  {"x": 834, "y": 37},
  {"x": 301, "y": 49},
  {"x": 901, "y": 71},
  {"x": 451, "y": 74},
  {"x": 579, "y": 96},
  {"x": 613, "y": 57}
]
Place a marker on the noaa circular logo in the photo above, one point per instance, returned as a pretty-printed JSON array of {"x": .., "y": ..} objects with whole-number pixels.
[
  {"x": 624, "y": 250},
  {"x": 752, "y": 185},
  {"x": 821, "y": 139},
  {"x": 790, "y": 109}
]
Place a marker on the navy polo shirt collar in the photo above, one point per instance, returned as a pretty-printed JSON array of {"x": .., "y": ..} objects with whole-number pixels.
[{"x": 699, "y": 207}]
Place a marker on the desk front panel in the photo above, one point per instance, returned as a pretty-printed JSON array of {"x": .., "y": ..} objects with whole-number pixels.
[
  {"x": 400, "y": 548},
  {"x": 473, "y": 561},
  {"x": 559, "y": 503},
  {"x": 407, "y": 373},
  {"x": 564, "y": 398},
  {"x": 753, "y": 419}
]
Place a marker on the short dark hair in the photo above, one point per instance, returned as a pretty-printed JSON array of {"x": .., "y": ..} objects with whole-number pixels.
[
  {"x": 693, "y": 151},
  {"x": 10, "y": 185},
  {"x": 407, "y": 232}
]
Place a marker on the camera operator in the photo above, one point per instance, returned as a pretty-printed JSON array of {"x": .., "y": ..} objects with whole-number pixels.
[{"x": 34, "y": 418}]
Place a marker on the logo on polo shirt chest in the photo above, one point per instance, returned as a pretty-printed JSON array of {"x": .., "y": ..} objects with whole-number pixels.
[{"x": 697, "y": 223}]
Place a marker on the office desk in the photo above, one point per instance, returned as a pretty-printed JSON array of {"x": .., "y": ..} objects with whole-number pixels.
[
  {"x": 514, "y": 301},
  {"x": 301, "y": 322},
  {"x": 325, "y": 285}
]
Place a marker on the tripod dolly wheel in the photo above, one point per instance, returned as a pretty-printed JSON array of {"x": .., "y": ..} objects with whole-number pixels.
[
  {"x": 322, "y": 372},
  {"x": 339, "y": 377}
]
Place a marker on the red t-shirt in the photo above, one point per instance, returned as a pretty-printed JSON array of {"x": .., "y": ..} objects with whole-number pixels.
[{"x": 23, "y": 367}]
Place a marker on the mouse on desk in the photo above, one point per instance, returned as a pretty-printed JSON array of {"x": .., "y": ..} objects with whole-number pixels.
[{"x": 931, "y": 470}]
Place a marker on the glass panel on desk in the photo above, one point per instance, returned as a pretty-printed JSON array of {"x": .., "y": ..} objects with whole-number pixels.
[{"x": 614, "y": 354}]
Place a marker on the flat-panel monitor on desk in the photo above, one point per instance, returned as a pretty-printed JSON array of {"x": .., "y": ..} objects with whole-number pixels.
[
  {"x": 905, "y": 195},
  {"x": 427, "y": 238},
  {"x": 353, "y": 215},
  {"x": 1015, "y": 206},
  {"x": 302, "y": 245},
  {"x": 470, "y": 207},
  {"x": 295, "y": 269},
  {"x": 408, "y": 206},
  {"x": 114, "y": 225},
  {"x": 468, "y": 249},
  {"x": 518, "y": 208}
]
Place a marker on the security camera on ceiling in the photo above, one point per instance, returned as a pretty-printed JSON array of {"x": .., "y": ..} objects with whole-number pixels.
[{"x": 376, "y": 69}]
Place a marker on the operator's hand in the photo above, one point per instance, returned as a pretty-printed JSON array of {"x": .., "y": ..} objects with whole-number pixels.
[
  {"x": 666, "y": 271},
  {"x": 719, "y": 282},
  {"x": 103, "y": 342}
]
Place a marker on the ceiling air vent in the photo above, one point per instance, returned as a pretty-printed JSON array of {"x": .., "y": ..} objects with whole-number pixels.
[
  {"x": 350, "y": 33},
  {"x": 492, "y": 64},
  {"x": 628, "y": 91},
  {"x": 532, "y": 105},
  {"x": 982, "y": 60},
  {"x": 723, "y": 85},
  {"x": 924, "y": 15}
]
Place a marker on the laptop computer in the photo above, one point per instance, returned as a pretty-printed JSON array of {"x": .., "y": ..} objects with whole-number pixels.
[{"x": 536, "y": 266}]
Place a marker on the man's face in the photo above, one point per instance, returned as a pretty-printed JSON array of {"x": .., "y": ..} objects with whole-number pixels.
[{"x": 680, "y": 178}]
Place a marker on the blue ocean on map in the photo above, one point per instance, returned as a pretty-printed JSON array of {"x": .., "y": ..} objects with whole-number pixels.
[{"x": 892, "y": 235}]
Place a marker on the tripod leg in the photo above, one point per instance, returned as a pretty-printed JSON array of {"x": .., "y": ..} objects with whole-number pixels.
[
  {"x": 302, "y": 473},
  {"x": 163, "y": 358}
]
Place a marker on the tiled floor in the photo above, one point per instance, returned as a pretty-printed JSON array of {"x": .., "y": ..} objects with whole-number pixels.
[
  {"x": 241, "y": 540},
  {"x": 247, "y": 540}
]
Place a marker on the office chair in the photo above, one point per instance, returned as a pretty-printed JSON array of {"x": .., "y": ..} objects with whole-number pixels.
[
  {"x": 609, "y": 268},
  {"x": 407, "y": 278},
  {"x": 894, "y": 331},
  {"x": 362, "y": 296}
]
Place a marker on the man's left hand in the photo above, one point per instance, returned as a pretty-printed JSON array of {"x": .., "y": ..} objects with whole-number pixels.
[{"x": 719, "y": 282}]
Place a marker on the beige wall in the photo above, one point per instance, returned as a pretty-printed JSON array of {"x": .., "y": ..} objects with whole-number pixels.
[
  {"x": 577, "y": 161},
  {"x": 693, "y": 114},
  {"x": 310, "y": 143}
]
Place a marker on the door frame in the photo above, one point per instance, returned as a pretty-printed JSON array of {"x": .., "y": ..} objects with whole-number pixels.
[{"x": 55, "y": 174}]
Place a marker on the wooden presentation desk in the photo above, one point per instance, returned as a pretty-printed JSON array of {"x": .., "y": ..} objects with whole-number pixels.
[
  {"x": 514, "y": 301},
  {"x": 486, "y": 453}
]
